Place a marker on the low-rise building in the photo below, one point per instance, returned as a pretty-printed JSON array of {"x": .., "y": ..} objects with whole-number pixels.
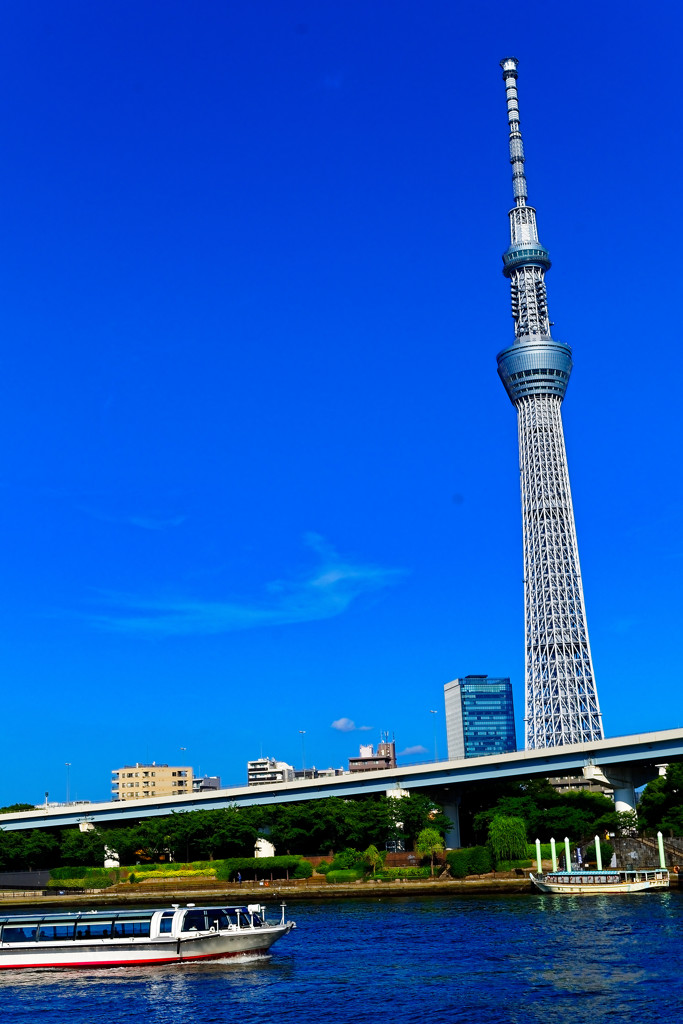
[
  {"x": 136, "y": 781},
  {"x": 206, "y": 782},
  {"x": 317, "y": 773},
  {"x": 266, "y": 771},
  {"x": 370, "y": 760},
  {"x": 577, "y": 783}
]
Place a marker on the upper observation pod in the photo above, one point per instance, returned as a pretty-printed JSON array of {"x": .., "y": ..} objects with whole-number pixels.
[
  {"x": 522, "y": 254},
  {"x": 535, "y": 363}
]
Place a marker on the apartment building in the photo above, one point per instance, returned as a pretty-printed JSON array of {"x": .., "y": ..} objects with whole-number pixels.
[{"x": 135, "y": 781}]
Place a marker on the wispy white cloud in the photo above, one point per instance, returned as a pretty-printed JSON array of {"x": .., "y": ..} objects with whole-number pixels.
[
  {"x": 413, "y": 750},
  {"x": 348, "y": 725},
  {"x": 325, "y": 592}
]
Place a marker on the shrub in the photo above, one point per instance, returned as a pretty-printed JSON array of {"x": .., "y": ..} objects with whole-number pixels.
[
  {"x": 473, "y": 861},
  {"x": 132, "y": 879},
  {"x": 479, "y": 860},
  {"x": 393, "y": 874},
  {"x": 83, "y": 878},
  {"x": 457, "y": 861},
  {"x": 256, "y": 867},
  {"x": 323, "y": 867},
  {"x": 334, "y": 877},
  {"x": 348, "y": 858},
  {"x": 67, "y": 872},
  {"x": 304, "y": 869}
]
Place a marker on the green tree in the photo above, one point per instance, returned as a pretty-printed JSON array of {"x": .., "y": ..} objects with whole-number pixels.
[
  {"x": 81, "y": 848},
  {"x": 428, "y": 843},
  {"x": 373, "y": 858},
  {"x": 507, "y": 838},
  {"x": 546, "y": 812},
  {"x": 416, "y": 812},
  {"x": 347, "y": 858},
  {"x": 661, "y": 804}
]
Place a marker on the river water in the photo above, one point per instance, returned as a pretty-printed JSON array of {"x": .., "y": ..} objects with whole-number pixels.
[{"x": 481, "y": 959}]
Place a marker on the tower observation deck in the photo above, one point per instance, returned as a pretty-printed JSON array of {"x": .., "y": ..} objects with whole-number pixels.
[{"x": 561, "y": 700}]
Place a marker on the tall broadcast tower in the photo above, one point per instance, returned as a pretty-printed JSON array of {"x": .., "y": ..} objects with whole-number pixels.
[{"x": 561, "y": 700}]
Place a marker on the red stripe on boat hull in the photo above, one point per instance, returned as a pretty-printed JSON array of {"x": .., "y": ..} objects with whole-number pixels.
[{"x": 132, "y": 963}]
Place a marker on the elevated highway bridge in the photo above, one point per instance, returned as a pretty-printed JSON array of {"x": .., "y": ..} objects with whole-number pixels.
[{"x": 623, "y": 762}]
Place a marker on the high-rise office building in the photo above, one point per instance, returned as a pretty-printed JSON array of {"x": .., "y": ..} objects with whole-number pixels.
[
  {"x": 480, "y": 717},
  {"x": 561, "y": 700}
]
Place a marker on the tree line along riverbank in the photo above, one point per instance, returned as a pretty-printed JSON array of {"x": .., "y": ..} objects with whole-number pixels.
[{"x": 346, "y": 836}]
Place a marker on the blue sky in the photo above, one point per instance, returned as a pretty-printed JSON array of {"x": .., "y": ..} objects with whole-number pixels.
[{"x": 259, "y": 473}]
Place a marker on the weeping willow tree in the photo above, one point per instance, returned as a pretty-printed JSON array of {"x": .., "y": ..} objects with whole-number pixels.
[{"x": 507, "y": 838}]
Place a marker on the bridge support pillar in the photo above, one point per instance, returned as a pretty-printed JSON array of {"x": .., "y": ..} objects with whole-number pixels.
[
  {"x": 620, "y": 778},
  {"x": 451, "y": 808}
]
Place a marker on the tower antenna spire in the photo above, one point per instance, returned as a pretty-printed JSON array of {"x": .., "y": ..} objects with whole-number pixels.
[{"x": 509, "y": 66}]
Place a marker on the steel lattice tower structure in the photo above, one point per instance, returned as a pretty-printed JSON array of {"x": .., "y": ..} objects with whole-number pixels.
[{"x": 561, "y": 700}]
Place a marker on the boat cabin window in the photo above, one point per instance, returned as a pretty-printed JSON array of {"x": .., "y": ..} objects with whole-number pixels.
[
  {"x": 217, "y": 919},
  {"x": 194, "y": 921},
  {"x": 20, "y": 933},
  {"x": 205, "y": 920},
  {"x": 166, "y": 923},
  {"x": 239, "y": 916},
  {"x": 55, "y": 932},
  {"x": 129, "y": 928},
  {"x": 93, "y": 929}
]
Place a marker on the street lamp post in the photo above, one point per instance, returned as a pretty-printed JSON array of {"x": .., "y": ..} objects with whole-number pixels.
[
  {"x": 67, "y": 765},
  {"x": 302, "y": 733},
  {"x": 431, "y": 712}
]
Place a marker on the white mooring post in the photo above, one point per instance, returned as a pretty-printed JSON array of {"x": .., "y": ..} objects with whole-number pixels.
[
  {"x": 553, "y": 854},
  {"x": 538, "y": 857},
  {"x": 567, "y": 855},
  {"x": 660, "y": 844},
  {"x": 598, "y": 853}
]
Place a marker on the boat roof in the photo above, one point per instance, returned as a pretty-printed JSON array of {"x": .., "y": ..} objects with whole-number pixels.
[
  {"x": 605, "y": 871},
  {"x": 98, "y": 915}
]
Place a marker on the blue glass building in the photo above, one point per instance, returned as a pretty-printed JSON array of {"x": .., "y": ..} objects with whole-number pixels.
[{"x": 480, "y": 717}]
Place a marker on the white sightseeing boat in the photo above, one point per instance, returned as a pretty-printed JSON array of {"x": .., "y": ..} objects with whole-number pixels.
[
  {"x": 118, "y": 938},
  {"x": 595, "y": 883}
]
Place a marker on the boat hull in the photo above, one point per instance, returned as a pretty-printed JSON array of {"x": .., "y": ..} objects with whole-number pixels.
[
  {"x": 140, "y": 952},
  {"x": 596, "y": 883}
]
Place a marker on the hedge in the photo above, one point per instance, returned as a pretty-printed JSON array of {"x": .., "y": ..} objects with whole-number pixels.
[
  {"x": 226, "y": 871},
  {"x": 390, "y": 874},
  {"x": 476, "y": 860},
  {"x": 83, "y": 878},
  {"x": 344, "y": 875}
]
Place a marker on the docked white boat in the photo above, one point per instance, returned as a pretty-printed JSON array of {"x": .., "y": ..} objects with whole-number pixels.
[
  {"x": 595, "y": 883},
  {"x": 111, "y": 938}
]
